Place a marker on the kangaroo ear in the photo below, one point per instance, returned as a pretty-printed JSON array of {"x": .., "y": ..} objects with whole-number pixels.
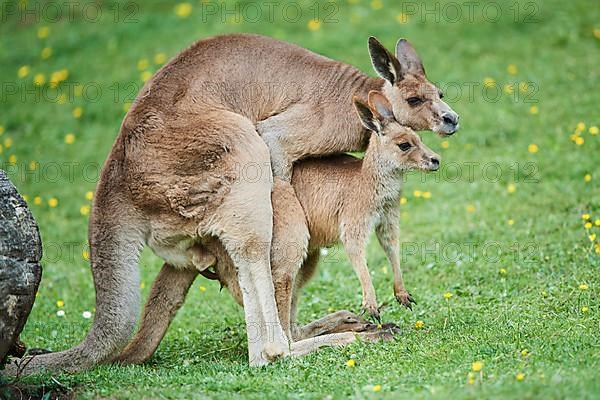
[
  {"x": 368, "y": 119},
  {"x": 380, "y": 103},
  {"x": 408, "y": 58},
  {"x": 386, "y": 65}
]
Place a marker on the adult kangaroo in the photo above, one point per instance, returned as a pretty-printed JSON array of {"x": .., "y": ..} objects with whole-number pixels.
[{"x": 190, "y": 163}]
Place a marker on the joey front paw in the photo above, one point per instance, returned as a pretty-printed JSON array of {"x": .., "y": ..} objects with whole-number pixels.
[
  {"x": 404, "y": 298},
  {"x": 373, "y": 311}
]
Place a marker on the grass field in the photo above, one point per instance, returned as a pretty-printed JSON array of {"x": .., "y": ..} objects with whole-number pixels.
[{"x": 498, "y": 251}]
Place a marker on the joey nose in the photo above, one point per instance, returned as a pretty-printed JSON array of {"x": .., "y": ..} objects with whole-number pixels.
[{"x": 450, "y": 118}]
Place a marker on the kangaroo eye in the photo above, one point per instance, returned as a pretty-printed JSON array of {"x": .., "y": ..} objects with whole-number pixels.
[
  {"x": 414, "y": 101},
  {"x": 405, "y": 146},
  {"x": 441, "y": 95}
]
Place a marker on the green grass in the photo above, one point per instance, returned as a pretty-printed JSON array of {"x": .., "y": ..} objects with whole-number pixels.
[{"x": 514, "y": 287}]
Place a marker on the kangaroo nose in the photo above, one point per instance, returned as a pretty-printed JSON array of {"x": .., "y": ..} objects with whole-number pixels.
[
  {"x": 435, "y": 163},
  {"x": 451, "y": 119}
]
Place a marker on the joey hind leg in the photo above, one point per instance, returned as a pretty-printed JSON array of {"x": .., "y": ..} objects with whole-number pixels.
[
  {"x": 387, "y": 234},
  {"x": 337, "y": 322},
  {"x": 355, "y": 244},
  {"x": 166, "y": 297}
]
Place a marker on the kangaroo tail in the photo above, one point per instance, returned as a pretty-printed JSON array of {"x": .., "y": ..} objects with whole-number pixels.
[{"x": 116, "y": 240}]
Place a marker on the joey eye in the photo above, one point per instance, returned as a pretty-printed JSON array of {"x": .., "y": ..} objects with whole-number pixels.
[
  {"x": 405, "y": 146},
  {"x": 441, "y": 95},
  {"x": 414, "y": 101}
]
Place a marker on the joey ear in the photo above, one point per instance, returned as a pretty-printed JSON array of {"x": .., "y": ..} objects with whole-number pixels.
[
  {"x": 380, "y": 103},
  {"x": 408, "y": 57},
  {"x": 368, "y": 119},
  {"x": 386, "y": 65}
]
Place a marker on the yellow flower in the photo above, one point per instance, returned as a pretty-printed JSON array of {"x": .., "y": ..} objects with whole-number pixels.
[
  {"x": 597, "y": 33},
  {"x": 587, "y": 177},
  {"x": 580, "y": 127},
  {"x": 402, "y": 18},
  {"x": 593, "y": 130},
  {"x": 489, "y": 82},
  {"x": 533, "y": 148},
  {"x": 142, "y": 285},
  {"x": 520, "y": 376},
  {"x": 508, "y": 88},
  {"x": 417, "y": 193},
  {"x": 89, "y": 195},
  {"x": 53, "y": 202},
  {"x": 376, "y": 4},
  {"x": 314, "y": 25},
  {"x": 377, "y": 388},
  {"x": 43, "y": 32},
  {"x": 62, "y": 98},
  {"x": 39, "y": 79},
  {"x": 160, "y": 58},
  {"x": 78, "y": 90},
  {"x": 351, "y": 363},
  {"x": 37, "y": 200},
  {"x": 471, "y": 208},
  {"x": 26, "y": 198},
  {"x": 533, "y": 110},
  {"x": 46, "y": 53},
  {"x": 77, "y": 112},
  {"x": 512, "y": 69},
  {"x": 503, "y": 271},
  {"x": 145, "y": 76},
  {"x": 597, "y": 222},
  {"x": 426, "y": 195},
  {"x": 404, "y": 200},
  {"x": 202, "y": 289},
  {"x": 477, "y": 366},
  {"x": 511, "y": 222},
  {"x": 524, "y": 353},
  {"x": 585, "y": 309},
  {"x": 523, "y": 87},
  {"x": 126, "y": 106},
  {"x": 85, "y": 254},
  {"x": 588, "y": 225},
  {"x": 419, "y": 324},
  {"x": 23, "y": 71},
  {"x": 592, "y": 237},
  {"x": 183, "y": 10},
  {"x": 447, "y": 295},
  {"x": 511, "y": 188},
  {"x": 60, "y": 304},
  {"x": 58, "y": 76},
  {"x": 583, "y": 286},
  {"x": 445, "y": 144},
  {"x": 69, "y": 138},
  {"x": 585, "y": 216},
  {"x": 84, "y": 210},
  {"x": 12, "y": 159},
  {"x": 579, "y": 141},
  {"x": 142, "y": 64},
  {"x": 8, "y": 142}
]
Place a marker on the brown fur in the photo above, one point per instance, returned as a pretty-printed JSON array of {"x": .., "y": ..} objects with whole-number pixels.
[
  {"x": 177, "y": 173},
  {"x": 338, "y": 198}
]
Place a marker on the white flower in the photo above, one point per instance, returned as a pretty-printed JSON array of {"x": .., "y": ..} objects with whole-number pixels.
[
  {"x": 324, "y": 251},
  {"x": 86, "y": 315},
  {"x": 60, "y": 313}
]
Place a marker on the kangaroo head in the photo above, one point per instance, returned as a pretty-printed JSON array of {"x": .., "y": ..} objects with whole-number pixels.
[
  {"x": 397, "y": 147},
  {"x": 416, "y": 101}
]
